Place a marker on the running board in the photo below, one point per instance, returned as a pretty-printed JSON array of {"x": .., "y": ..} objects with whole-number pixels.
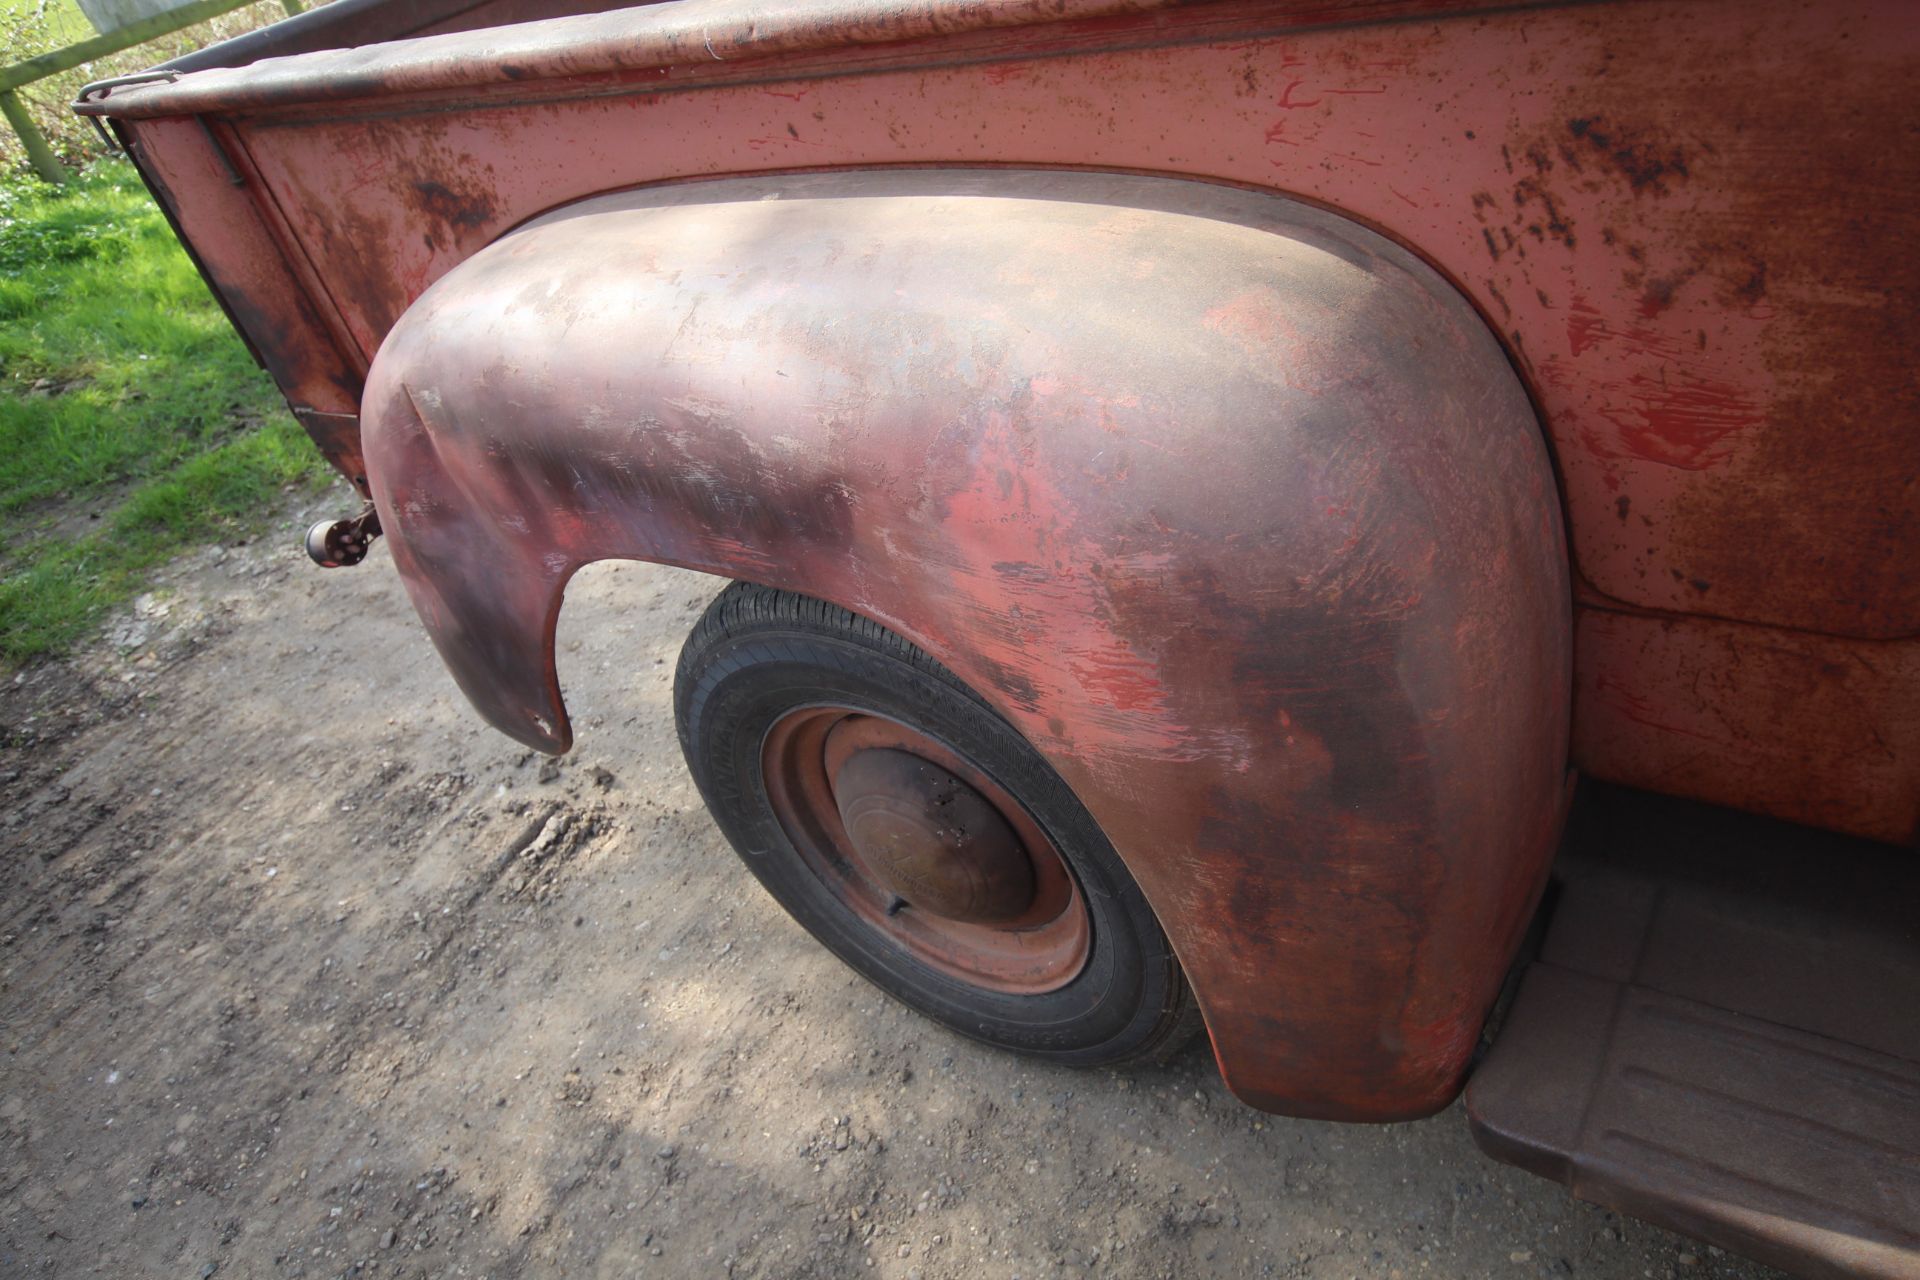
[{"x": 1722, "y": 1036}]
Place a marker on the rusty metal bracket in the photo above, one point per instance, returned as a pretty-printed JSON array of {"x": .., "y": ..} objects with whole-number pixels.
[{"x": 104, "y": 87}]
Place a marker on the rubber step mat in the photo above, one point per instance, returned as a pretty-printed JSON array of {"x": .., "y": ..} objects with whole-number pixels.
[{"x": 1722, "y": 1035}]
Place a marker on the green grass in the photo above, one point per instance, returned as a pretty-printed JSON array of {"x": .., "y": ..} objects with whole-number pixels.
[
  {"x": 133, "y": 424},
  {"x": 41, "y": 26}
]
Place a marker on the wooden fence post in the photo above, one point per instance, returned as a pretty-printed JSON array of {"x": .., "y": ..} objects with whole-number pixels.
[{"x": 39, "y": 154}]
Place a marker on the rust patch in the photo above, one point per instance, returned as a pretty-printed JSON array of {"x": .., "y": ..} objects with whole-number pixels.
[
  {"x": 1659, "y": 293},
  {"x": 468, "y": 211},
  {"x": 1535, "y": 203},
  {"x": 1645, "y": 162}
]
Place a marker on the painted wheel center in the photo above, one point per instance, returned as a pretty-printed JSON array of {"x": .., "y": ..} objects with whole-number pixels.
[{"x": 931, "y": 839}]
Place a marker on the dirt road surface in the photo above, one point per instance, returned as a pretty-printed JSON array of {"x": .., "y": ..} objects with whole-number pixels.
[{"x": 305, "y": 972}]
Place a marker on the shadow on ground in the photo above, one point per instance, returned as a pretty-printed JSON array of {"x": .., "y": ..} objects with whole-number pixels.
[{"x": 307, "y": 973}]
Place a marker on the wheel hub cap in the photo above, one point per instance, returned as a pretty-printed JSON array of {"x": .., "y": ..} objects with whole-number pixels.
[
  {"x": 925, "y": 848},
  {"x": 931, "y": 839}
]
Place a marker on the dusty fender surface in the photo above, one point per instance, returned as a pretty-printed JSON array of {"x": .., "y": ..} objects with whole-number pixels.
[{"x": 1232, "y": 507}]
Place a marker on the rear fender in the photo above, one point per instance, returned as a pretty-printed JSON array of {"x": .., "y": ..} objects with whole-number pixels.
[{"x": 1233, "y": 508}]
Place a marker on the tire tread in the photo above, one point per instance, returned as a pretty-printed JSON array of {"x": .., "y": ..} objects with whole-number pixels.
[{"x": 745, "y": 619}]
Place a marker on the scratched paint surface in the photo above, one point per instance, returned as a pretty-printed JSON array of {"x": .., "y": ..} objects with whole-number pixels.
[
  {"x": 1668, "y": 736},
  {"x": 1627, "y": 191},
  {"x": 1292, "y": 623},
  {"x": 1675, "y": 216}
]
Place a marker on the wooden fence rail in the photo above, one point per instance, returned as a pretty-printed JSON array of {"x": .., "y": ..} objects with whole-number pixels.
[{"x": 25, "y": 72}]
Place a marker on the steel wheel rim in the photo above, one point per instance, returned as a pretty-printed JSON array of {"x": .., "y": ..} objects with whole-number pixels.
[{"x": 1030, "y": 951}]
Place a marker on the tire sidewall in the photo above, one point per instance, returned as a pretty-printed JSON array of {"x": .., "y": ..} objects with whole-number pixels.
[{"x": 731, "y": 694}]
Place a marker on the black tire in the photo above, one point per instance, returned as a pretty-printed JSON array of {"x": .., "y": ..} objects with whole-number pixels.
[{"x": 758, "y": 656}]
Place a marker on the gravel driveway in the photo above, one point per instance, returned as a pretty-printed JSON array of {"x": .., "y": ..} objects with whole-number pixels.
[{"x": 305, "y": 972}]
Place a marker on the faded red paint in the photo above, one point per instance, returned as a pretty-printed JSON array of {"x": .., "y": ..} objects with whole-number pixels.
[
  {"x": 1725, "y": 690},
  {"x": 1687, "y": 426},
  {"x": 1667, "y": 211},
  {"x": 1689, "y": 421},
  {"x": 1530, "y": 199},
  {"x": 1266, "y": 677}
]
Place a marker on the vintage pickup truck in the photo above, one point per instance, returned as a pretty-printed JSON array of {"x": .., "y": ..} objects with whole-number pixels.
[{"x": 1201, "y": 482}]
